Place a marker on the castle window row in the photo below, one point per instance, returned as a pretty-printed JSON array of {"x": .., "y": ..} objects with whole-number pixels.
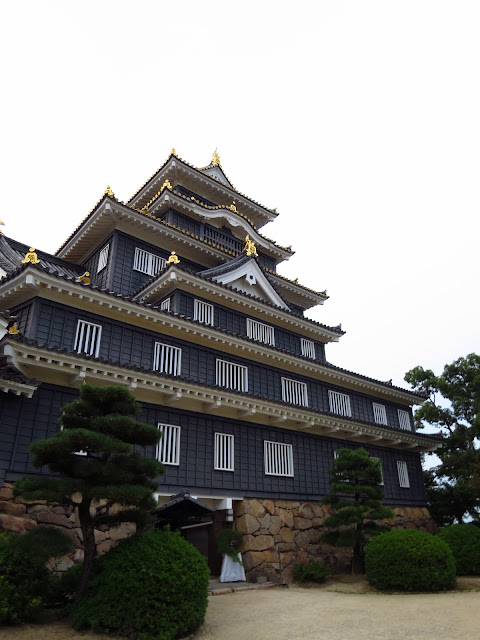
[
  {"x": 133, "y": 346},
  {"x": 277, "y": 456}
]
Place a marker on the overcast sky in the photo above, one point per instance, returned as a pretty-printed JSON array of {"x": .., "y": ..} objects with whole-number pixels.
[{"x": 358, "y": 120}]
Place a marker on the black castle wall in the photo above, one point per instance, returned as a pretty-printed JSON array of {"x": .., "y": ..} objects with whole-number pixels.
[
  {"x": 125, "y": 344},
  {"x": 23, "y": 421}
]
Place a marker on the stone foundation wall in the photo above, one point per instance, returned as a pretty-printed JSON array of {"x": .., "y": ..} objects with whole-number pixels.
[
  {"x": 278, "y": 534},
  {"x": 18, "y": 515}
]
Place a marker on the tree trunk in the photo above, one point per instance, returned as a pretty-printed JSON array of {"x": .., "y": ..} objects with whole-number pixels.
[{"x": 89, "y": 546}]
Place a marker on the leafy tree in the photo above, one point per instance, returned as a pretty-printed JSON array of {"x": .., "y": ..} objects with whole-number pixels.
[
  {"x": 98, "y": 423},
  {"x": 356, "y": 500},
  {"x": 453, "y": 406}
]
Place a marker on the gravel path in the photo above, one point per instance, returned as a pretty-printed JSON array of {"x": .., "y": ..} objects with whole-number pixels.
[{"x": 338, "y": 611}]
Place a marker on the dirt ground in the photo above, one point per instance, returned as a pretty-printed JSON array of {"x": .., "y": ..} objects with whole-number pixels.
[{"x": 343, "y": 609}]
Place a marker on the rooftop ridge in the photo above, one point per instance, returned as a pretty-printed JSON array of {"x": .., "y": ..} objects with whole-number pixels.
[{"x": 271, "y": 211}]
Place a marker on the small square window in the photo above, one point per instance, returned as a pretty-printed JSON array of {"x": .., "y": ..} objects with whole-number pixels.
[
  {"x": 167, "y": 359},
  {"x": 379, "y": 413},
  {"x": 278, "y": 459},
  {"x": 168, "y": 449},
  {"x": 87, "y": 338},
  {"x": 404, "y": 420},
  {"x": 403, "y": 478},
  {"x": 203, "y": 312},
  {"x": 223, "y": 452}
]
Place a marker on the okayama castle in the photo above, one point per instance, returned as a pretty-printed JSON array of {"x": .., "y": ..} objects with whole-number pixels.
[{"x": 176, "y": 295}]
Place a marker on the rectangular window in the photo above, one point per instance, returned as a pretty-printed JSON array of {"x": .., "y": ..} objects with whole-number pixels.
[
  {"x": 203, "y": 312},
  {"x": 168, "y": 449},
  {"x": 167, "y": 359},
  {"x": 339, "y": 403},
  {"x": 403, "y": 474},
  {"x": 103, "y": 258},
  {"x": 232, "y": 376},
  {"x": 308, "y": 348},
  {"x": 87, "y": 338},
  {"x": 260, "y": 332},
  {"x": 165, "y": 304},
  {"x": 148, "y": 262},
  {"x": 278, "y": 459},
  {"x": 379, "y": 413},
  {"x": 381, "y": 469},
  {"x": 404, "y": 420},
  {"x": 294, "y": 392},
  {"x": 223, "y": 452}
]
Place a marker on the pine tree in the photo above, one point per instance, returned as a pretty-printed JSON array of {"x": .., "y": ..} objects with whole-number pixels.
[
  {"x": 101, "y": 425},
  {"x": 356, "y": 500}
]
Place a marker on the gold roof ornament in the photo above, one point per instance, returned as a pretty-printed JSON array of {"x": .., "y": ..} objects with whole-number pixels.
[
  {"x": 166, "y": 185},
  {"x": 145, "y": 209},
  {"x": 108, "y": 192},
  {"x": 13, "y": 331},
  {"x": 250, "y": 247},
  {"x": 1, "y": 232},
  {"x": 232, "y": 207},
  {"x": 173, "y": 259},
  {"x": 85, "y": 277},
  {"x": 173, "y": 152},
  {"x": 216, "y": 159},
  {"x": 31, "y": 257}
]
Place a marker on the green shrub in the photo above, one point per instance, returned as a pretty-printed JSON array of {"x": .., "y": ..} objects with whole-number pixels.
[
  {"x": 24, "y": 577},
  {"x": 227, "y": 541},
  {"x": 464, "y": 541},
  {"x": 153, "y": 586},
  {"x": 310, "y": 572},
  {"x": 409, "y": 560}
]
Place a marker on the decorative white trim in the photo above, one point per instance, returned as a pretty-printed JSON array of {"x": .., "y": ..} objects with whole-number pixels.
[
  {"x": 29, "y": 281},
  {"x": 251, "y": 273},
  {"x": 73, "y": 370}
]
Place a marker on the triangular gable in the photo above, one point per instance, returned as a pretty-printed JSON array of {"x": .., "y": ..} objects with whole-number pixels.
[
  {"x": 248, "y": 278},
  {"x": 217, "y": 173}
]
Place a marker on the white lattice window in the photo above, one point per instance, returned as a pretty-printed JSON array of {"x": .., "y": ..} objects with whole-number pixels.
[
  {"x": 165, "y": 304},
  {"x": 167, "y": 359},
  {"x": 404, "y": 420},
  {"x": 232, "y": 376},
  {"x": 260, "y": 332},
  {"x": 87, "y": 338},
  {"x": 308, "y": 348},
  {"x": 148, "y": 262},
  {"x": 168, "y": 449},
  {"x": 339, "y": 403},
  {"x": 294, "y": 392},
  {"x": 381, "y": 468},
  {"x": 223, "y": 452},
  {"x": 379, "y": 413},
  {"x": 203, "y": 312},
  {"x": 403, "y": 474},
  {"x": 103, "y": 258},
  {"x": 278, "y": 459}
]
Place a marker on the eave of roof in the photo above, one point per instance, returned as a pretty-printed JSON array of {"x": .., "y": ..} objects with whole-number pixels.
[
  {"x": 137, "y": 295},
  {"x": 283, "y": 412},
  {"x": 217, "y": 249},
  {"x": 343, "y": 374},
  {"x": 270, "y": 214}
]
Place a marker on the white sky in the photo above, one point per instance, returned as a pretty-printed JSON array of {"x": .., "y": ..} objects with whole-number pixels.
[{"x": 358, "y": 120}]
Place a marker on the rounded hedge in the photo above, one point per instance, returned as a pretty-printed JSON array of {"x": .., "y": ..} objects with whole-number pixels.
[
  {"x": 310, "y": 572},
  {"x": 409, "y": 560},
  {"x": 153, "y": 586},
  {"x": 464, "y": 541}
]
